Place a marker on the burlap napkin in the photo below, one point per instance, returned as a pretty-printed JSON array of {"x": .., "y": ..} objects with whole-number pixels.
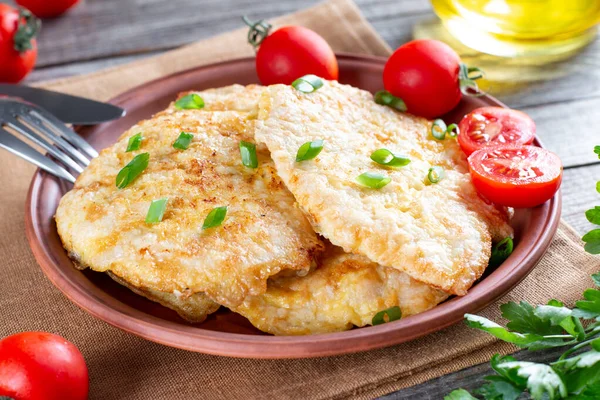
[{"x": 123, "y": 366}]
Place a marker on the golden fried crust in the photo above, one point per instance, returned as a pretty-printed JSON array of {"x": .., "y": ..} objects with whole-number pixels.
[
  {"x": 193, "y": 308},
  {"x": 346, "y": 290},
  {"x": 439, "y": 234},
  {"x": 104, "y": 228}
]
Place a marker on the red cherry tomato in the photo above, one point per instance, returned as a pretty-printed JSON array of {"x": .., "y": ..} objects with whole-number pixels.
[
  {"x": 427, "y": 75},
  {"x": 492, "y": 126},
  {"x": 41, "y": 366},
  {"x": 290, "y": 53},
  {"x": 514, "y": 175},
  {"x": 18, "y": 48},
  {"x": 47, "y": 8}
]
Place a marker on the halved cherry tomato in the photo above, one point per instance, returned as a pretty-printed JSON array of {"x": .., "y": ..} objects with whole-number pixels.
[
  {"x": 290, "y": 53},
  {"x": 516, "y": 176},
  {"x": 41, "y": 366},
  {"x": 428, "y": 75},
  {"x": 492, "y": 126}
]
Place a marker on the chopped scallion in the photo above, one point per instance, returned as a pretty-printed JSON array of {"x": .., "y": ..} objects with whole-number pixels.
[
  {"x": 386, "y": 157},
  {"x": 453, "y": 130},
  {"x": 385, "y": 98},
  {"x": 134, "y": 142},
  {"x": 373, "y": 180},
  {"x": 501, "y": 251},
  {"x": 307, "y": 83},
  {"x": 183, "y": 141},
  {"x": 388, "y": 315},
  {"x": 248, "y": 154},
  {"x": 438, "y": 129},
  {"x": 156, "y": 211},
  {"x": 435, "y": 174},
  {"x": 215, "y": 217},
  {"x": 132, "y": 170},
  {"x": 190, "y": 102},
  {"x": 309, "y": 150}
]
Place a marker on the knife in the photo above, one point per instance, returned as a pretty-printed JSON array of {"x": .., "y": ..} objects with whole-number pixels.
[{"x": 69, "y": 109}]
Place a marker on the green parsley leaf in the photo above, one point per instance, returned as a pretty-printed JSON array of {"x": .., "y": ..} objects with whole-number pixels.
[
  {"x": 156, "y": 211},
  {"x": 190, "y": 102},
  {"x": 183, "y": 141},
  {"x": 215, "y": 217},
  {"x": 597, "y": 150},
  {"x": 459, "y": 394},
  {"x": 373, "y": 180},
  {"x": 596, "y": 279},
  {"x": 307, "y": 83},
  {"x": 591, "y": 304},
  {"x": 385, "y": 98},
  {"x": 500, "y": 252},
  {"x": 592, "y": 241},
  {"x": 541, "y": 379},
  {"x": 593, "y": 215},
  {"x": 248, "y": 154},
  {"x": 498, "y": 388},
  {"x": 388, "y": 315},
  {"x": 134, "y": 142},
  {"x": 484, "y": 324},
  {"x": 309, "y": 150},
  {"x": 389, "y": 159},
  {"x": 132, "y": 170},
  {"x": 523, "y": 319}
]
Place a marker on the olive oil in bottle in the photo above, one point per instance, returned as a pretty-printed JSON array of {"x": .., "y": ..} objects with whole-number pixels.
[{"x": 513, "y": 28}]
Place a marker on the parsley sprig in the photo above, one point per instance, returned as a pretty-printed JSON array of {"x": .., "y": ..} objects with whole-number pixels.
[
  {"x": 576, "y": 373},
  {"x": 592, "y": 238},
  {"x": 574, "y": 377}
]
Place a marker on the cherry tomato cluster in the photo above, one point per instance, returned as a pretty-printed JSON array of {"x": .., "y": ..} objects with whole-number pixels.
[{"x": 430, "y": 79}]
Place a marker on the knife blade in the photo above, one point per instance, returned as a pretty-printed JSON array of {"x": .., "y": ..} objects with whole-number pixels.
[{"x": 69, "y": 109}]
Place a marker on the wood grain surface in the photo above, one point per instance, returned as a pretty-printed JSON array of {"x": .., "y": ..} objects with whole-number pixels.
[{"x": 563, "y": 97}]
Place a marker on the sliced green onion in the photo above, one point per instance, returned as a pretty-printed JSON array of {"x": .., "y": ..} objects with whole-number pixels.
[
  {"x": 132, "y": 170},
  {"x": 309, "y": 150},
  {"x": 248, "y": 153},
  {"x": 438, "y": 129},
  {"x": 307, "y": 83},
  {"x": 183, "y": 141},
  {"x": 215, "y": 217},
  {"x": 386, "y": 157},
  {"x": 385, "y": 98},
  {"x": 373, "y": 180},
  {"x": 501, "y": 251},
  {"x": 435, "y": 174},
  {"x": 156, "y": 211},
  {"x": 190, "y": 102},
  {"x": 452, "y": 130},
  {"x": 134, "y": 142},
  {"x": 389, "y": 315}
]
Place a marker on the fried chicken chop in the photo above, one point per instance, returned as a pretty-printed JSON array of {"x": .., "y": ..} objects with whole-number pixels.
[{"x": 439, "y": 234}]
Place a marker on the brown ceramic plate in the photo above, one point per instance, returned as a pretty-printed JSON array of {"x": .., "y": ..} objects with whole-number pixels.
[{"x": 226, "y": 333}]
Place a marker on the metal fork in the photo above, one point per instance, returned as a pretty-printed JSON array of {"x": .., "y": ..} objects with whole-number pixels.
[{"x": 18, "y": 117}]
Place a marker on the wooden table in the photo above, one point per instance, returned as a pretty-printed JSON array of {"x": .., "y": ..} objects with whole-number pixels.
[{"x": 566, "y": 108}]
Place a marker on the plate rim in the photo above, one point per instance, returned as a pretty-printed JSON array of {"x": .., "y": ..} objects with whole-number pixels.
[{"x": 206, "y": 341}]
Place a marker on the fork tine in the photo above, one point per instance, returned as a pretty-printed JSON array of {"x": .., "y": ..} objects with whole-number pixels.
[
  {"x": 61, "y": 129},
  {"x": 22, "y": 149},
  {"x": 58, "y": 140},
  {"x": 34, "y": 137}
]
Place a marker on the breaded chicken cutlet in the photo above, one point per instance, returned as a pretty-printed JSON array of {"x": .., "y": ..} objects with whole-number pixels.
[{"x": 438, "y": 233}]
